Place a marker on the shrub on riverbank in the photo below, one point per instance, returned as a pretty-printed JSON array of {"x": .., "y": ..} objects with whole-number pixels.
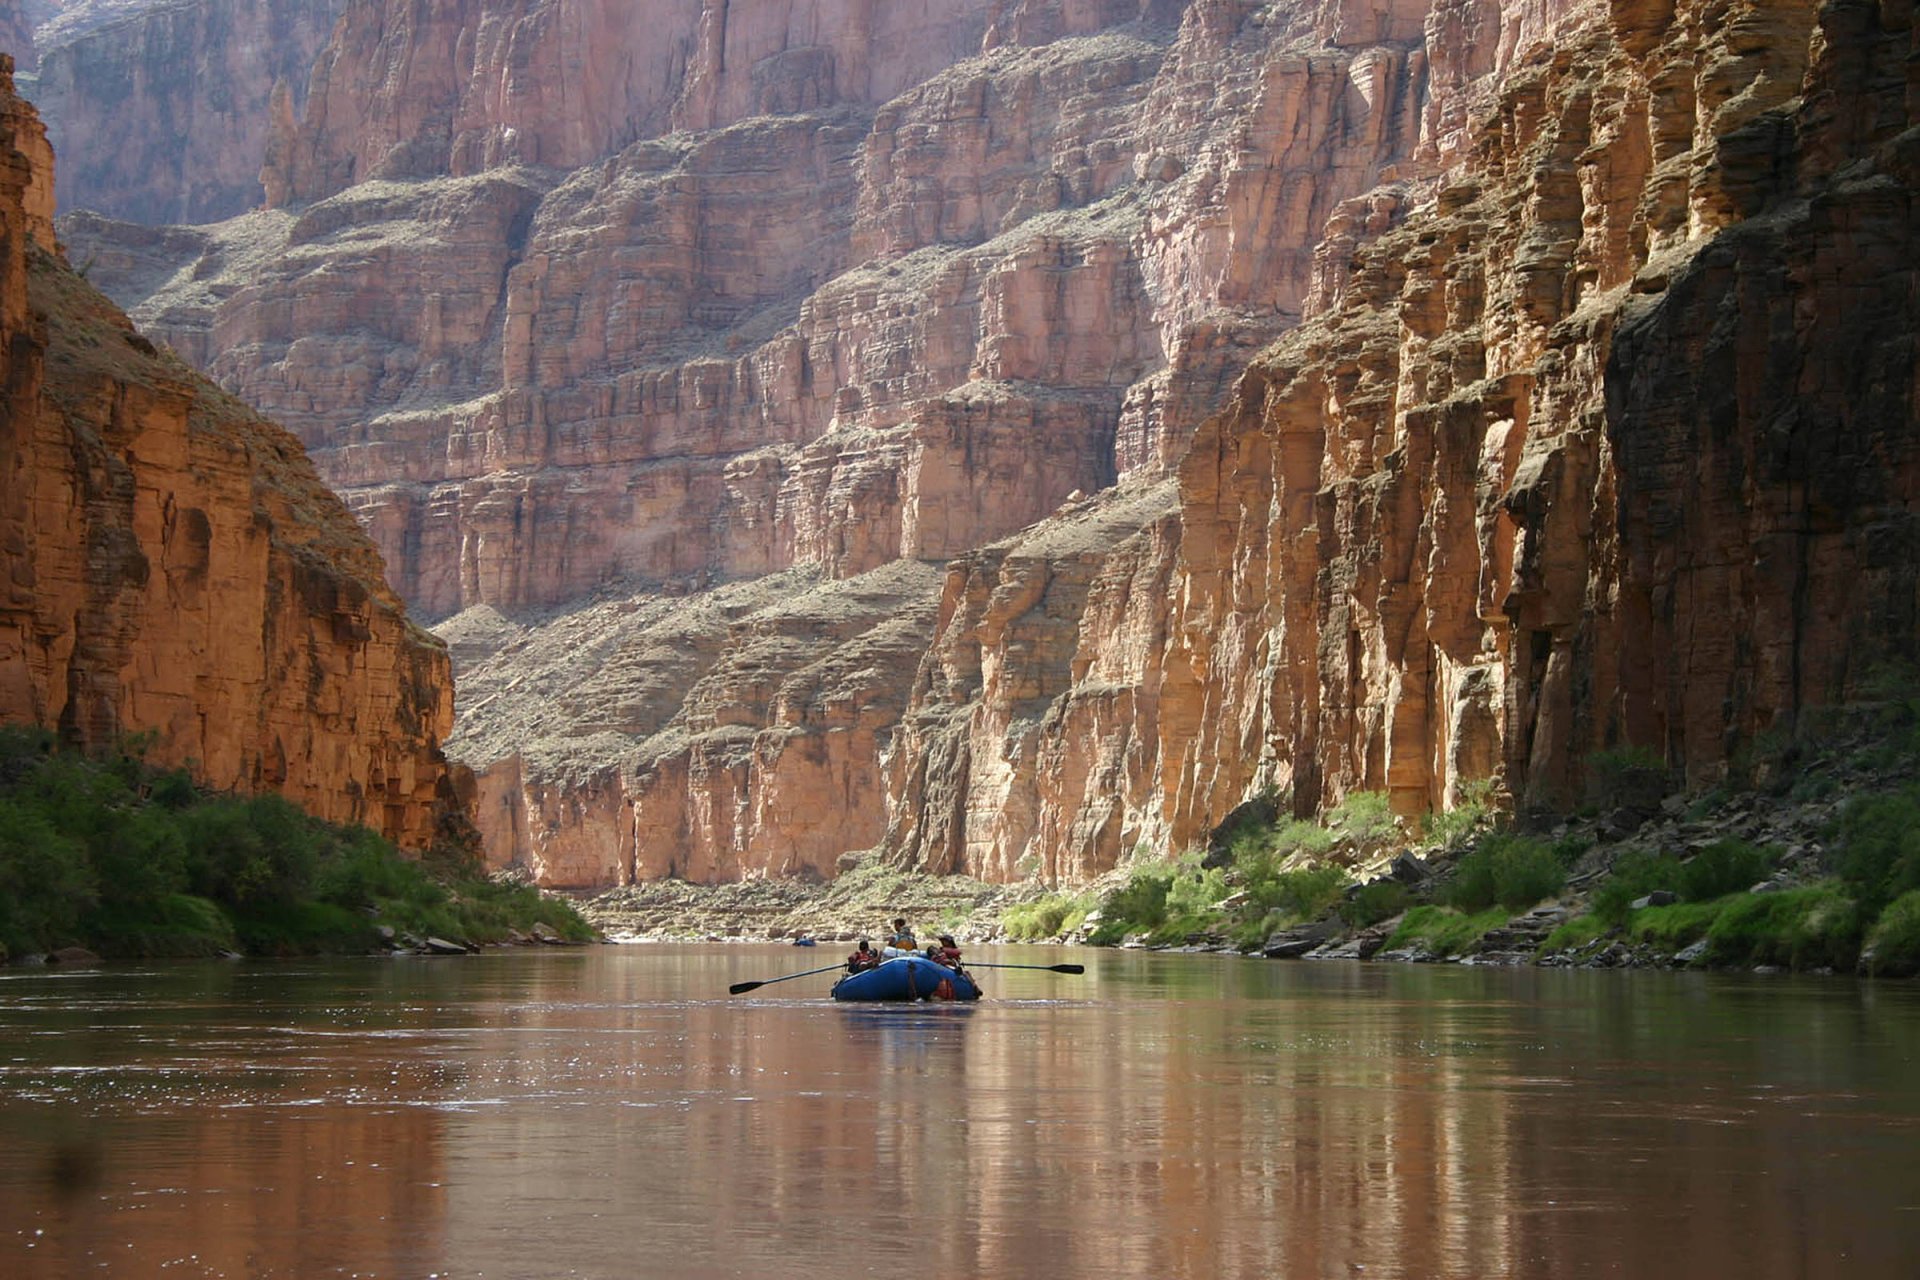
[
  {"x": 1045, "y": 918},
  {"x": 132, "y": 861},
  {"x": 1893, "y": 948},
  {"x": 1443, "y": 931},
  {"x": 1507, "y": 869}
]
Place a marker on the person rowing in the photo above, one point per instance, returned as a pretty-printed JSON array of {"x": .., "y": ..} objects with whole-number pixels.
[
  {"x": 864, "y": 957},
  {"x": 945, "y": 952}
]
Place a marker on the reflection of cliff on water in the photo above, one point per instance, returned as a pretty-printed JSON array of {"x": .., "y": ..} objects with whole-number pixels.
[{"x": 219, "y": 1119}]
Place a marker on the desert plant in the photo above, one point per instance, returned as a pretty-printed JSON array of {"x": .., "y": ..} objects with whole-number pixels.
[
  {"x": 1723, "y": 867},
  {"x": 1511, "y": 870},
  {"x": 1893, "y": 946},
  {"x": 1879, "y": 847},
  {"x": 1375, "y": 901}
]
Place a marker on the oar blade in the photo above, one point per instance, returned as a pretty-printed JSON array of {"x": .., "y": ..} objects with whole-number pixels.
[
  {"x": 1068, "y": 968},
  {"x": 741, "y": 988}
]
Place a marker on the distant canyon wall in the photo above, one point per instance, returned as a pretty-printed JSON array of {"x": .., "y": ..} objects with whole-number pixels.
[
  {"x": 174, "y": 564},
  {"x": 1006, "y": 433},
  {"x": 161, "y": 112}
]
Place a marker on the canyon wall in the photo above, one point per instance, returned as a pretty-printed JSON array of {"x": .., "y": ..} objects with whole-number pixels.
[
  {"x": 1005, "y": 434},
  {"x": 161, "y": 112},
  {"x": 174, "y": 565},
  {"x": 1609, "y": 444}
]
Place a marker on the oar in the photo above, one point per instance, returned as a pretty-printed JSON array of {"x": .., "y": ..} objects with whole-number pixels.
[
  {"x": 1050, "y": 968},
  {"x": 740, "y": 988}
]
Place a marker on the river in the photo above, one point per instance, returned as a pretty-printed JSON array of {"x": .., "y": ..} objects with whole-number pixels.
[{"x": 612, "y": 1112}]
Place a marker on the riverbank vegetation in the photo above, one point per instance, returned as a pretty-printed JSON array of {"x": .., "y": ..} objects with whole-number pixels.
[
  {"x": 131, "y": 861},
  {"x": 1807, "y": 857}
]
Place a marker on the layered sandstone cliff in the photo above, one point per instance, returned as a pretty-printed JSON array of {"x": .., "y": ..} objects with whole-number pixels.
[
  {"x": 174, "y": 565},
  {"x": 1549, "y": 460},
  {"x": 1610, "y": 443},
  {"x": 907, "y": 278}
]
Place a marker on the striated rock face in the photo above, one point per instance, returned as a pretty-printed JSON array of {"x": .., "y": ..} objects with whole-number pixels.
[
  {"x": 1586, "y": 420},
  {"x": 732, "y": 734},
  {"x": 161, "y": 112},
  {"x": 173, "y": 563},
  {"x": 1600, "y": 451},
  {"x": 908, "y": 278},
  {"x": 1611, "y": 442}
]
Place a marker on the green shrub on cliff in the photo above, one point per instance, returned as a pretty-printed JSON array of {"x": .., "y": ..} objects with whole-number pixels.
[{"x": 1443, "y": 931}]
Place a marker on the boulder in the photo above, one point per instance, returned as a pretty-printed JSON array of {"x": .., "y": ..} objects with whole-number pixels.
[{"x": 1410, "y": 868}]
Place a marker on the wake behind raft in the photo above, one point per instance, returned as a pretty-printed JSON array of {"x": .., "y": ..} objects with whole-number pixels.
[{"x": 906, "y": 978}]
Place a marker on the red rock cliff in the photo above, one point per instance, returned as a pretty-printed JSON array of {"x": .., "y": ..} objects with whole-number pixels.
[
  {"x": 1569, "y": 443},
  {"x": 173, "y": 563},
  {"x": 1610, "y": 442}
]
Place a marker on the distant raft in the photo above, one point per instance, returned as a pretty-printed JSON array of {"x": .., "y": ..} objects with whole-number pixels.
[{"x": 907, "y": 978}]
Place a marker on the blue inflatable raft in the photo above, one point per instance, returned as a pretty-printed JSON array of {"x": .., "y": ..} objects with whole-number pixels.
[{"x": 907, "y": 978}]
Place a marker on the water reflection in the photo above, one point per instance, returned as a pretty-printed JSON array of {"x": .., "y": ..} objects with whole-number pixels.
[{"x": 611, "y": 1113}]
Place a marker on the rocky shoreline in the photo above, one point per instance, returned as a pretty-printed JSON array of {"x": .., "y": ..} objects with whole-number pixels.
[{"x": 1788, "y": 812}]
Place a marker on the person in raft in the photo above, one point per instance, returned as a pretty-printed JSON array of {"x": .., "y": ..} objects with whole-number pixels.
[
  {"x": 946, "y": 952},
  {"x": 864, "y": 957},
  {"x": 902, "y": 939}
]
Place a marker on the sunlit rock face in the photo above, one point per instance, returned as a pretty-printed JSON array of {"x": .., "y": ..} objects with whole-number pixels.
[
  {"x": 885, "y": 392},
  {"x": 1610, "y": 444},
  {"x": 175, "y": 566}
]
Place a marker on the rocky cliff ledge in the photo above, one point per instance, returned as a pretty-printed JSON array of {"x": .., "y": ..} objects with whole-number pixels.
[
  {"x": 174, "y": 565},
  {"x": 1589, "y": 423}
]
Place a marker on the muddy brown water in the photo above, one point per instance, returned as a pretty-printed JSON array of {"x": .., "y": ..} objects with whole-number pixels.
[{"x": 612, "y": 1112}]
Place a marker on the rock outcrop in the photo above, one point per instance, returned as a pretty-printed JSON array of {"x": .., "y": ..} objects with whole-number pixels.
[
  {"x": 1583, "y": 425},
  {"x": 175, "y": 566}
]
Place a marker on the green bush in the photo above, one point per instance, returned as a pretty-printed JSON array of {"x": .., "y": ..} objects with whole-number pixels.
[
  {"x": 1452, "y": 828},
  {"x": 1675, "y": 926},
  {"x": 1577, "y": 932},
  {"x": 1633, "y": 776},
  {"x": 1723, "y": 867},
  {"x": 1634, "y": 875},
  {"x": 1363, "y": 815},
  {"x": 47, "y": 883},
  {"x": 1045, "y": 918},
  {"x": 1512, "y": 870},
  {"x": 1442, "y": 930},
  {"x": 1375, "y": 901},
  {"x": 1894, "y": 944},
  {"x": 1300, "y": 895},
  {"x": 1819, "y": 926},
  {"x": 1879, "y": 847},
  {"x": 174, "y": 925},
  {"x": 132, "y": 861}
]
